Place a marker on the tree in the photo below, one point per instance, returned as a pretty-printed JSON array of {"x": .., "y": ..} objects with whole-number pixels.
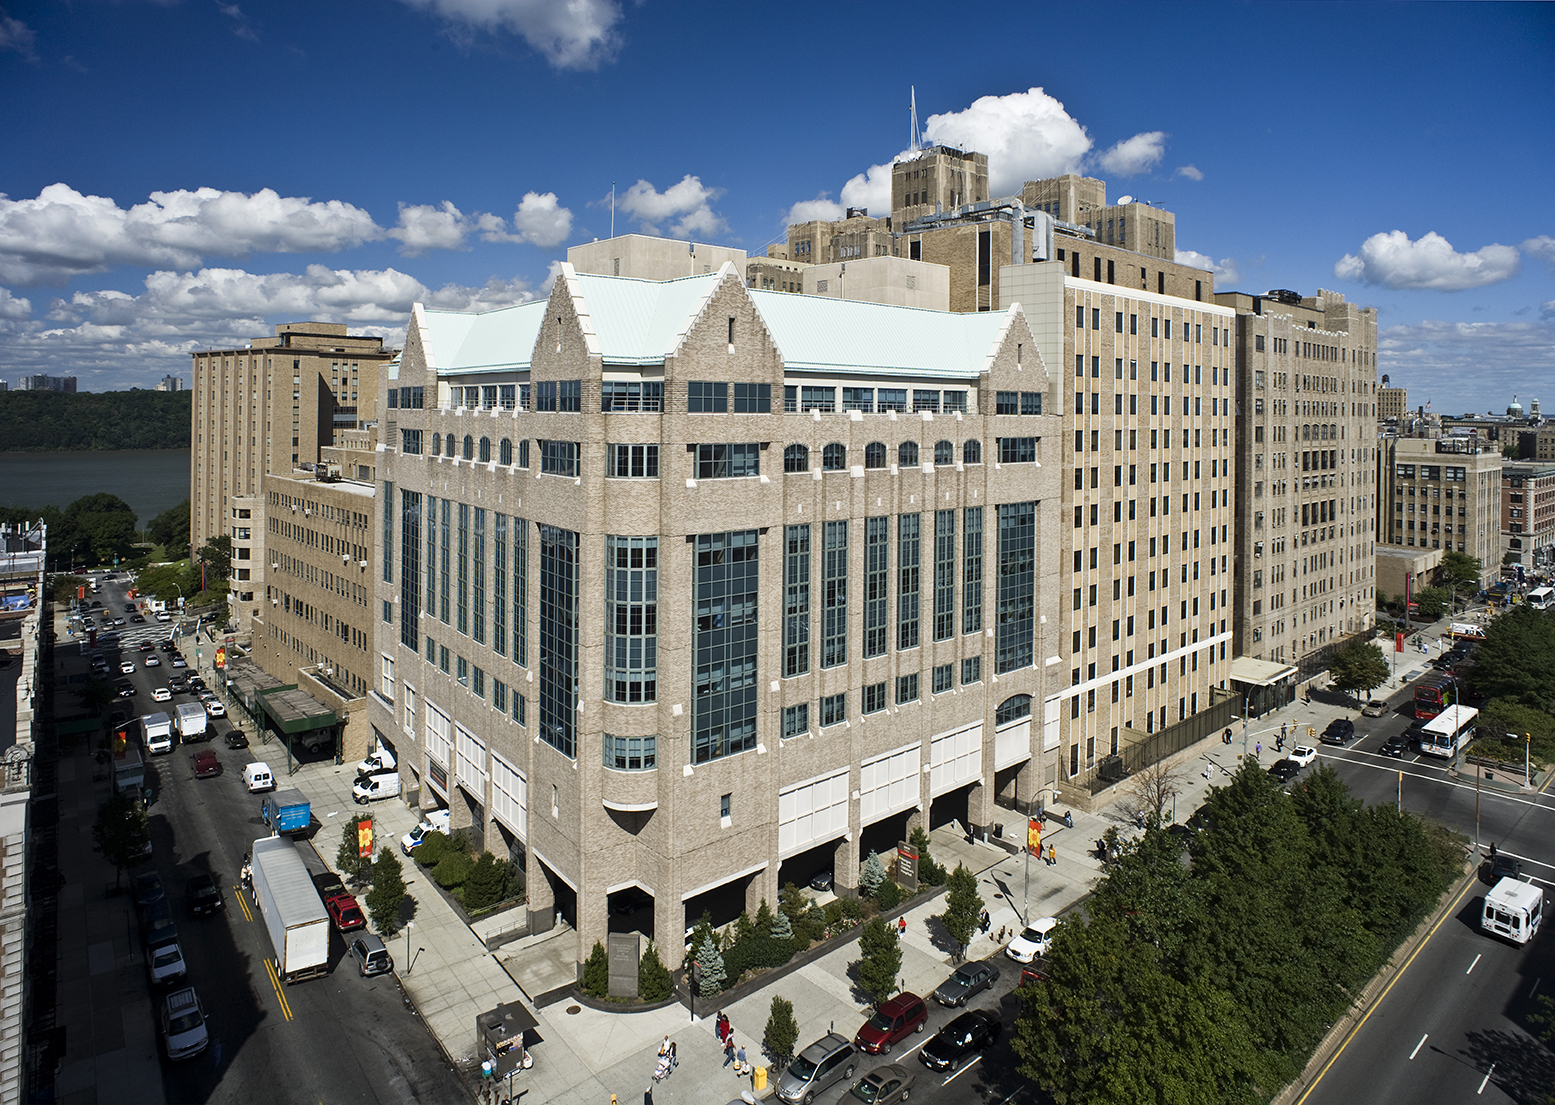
[
  {"x": 1459, "y": 569},
  {"x": 781, "y": 1034},
  {"x": 871, "y": 875},
  {"x": 596, "y": 972},
  {"x": 929, "y": 872},
  {"x": 963, "y": 907},
  {"x": 1432, "y": 602},
  {"x": 122, "y": 833},
  {"x": 763, "y": 923},
  {"x": 653, "y": 978},
  {"x": 880, "y": 959},
  {"x": 1153, "y": 791},
  {"x": 216, "y": 555},
  {"x": 349, "y": 859},
  {"x": 1358, "y": 666},
  {"x": 104, "y": 525},
  {"x": 1512, "y": 722},
  {"x": 388, "y": 893},
  {"x": 1516, "y": 662},
  {"x": 168, "y": 582},
  {"x": 711, "y": 965},
  {"x": 485, "y": 884},
  {"x": 782, "y": 927},
  {"x": 170, "y": 529}
]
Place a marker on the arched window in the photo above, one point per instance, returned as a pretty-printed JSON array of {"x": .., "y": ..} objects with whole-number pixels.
[
  {"x": 796, "y": 458},
  {"x": 907, "y": 453},
  {"x": 972, "y": 452},
  {"x": 944, "y": 452},
  {"x": 437, "y": 445},
  {"x": 1013, "y": 709},
  {"x": 505, "y": 451},
  {"x": 485, "y": 450},
  {"x": 450, "y": 445},
  {"x": 834, "y": 457},
  {"x": 874, "y": 455},
  {"x": 469, "y": 447}
]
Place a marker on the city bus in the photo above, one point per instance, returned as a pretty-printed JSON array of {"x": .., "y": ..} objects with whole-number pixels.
[
  {"x": 1449, "y": 732},
  {"x": 1432, "y": 696},
  {"x": 1541, "y": 598}
]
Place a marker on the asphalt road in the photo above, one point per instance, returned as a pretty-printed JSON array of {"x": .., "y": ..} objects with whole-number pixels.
[
  {"x": 1453, "y": 1025},
  {"x": 342, "y": 1038}
]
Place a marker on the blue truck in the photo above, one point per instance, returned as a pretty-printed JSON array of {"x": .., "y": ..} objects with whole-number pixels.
[{"x": 286, "y": 811}]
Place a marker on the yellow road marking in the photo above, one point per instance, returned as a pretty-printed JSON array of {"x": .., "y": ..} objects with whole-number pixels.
[
  {"x": 237, "y": 892},
  {"x": 280, "y": 991},
  {"x": 1450, "y": 912}
]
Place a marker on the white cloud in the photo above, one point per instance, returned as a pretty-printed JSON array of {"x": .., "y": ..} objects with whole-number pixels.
[
  {"x": 17, "y": 37},
  {"x": 1026, "y": 135},
  {"x": 1394, "y": 261},
  {"x": 423, "y": 227},
  {"x": 1542, "y": 247},
  {"x": 1457, "y": 365},
  {"x": 1192, "y": 172},
  {"x": 1225, "y": 270},
  {"x": 870, "y": 190},
  {"x": 577, "y": 34},
  {"x": 819, "y": 209},
  {"x": 63, "y": 233},
  {"x": 689, "y": 202},
  {"x": 540, "y": 220},
  {"x": 1547, "y": 308},
  {"x": 1135, "y": 155},
  {"x": 13, "y": 307}
]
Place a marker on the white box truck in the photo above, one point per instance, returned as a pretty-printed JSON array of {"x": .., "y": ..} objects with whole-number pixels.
[
  {"x": 293, "y": 912},
  {"x": 1513, "y": 909},
  {"x": 129, "y": 770},
  {"x": 158, "y": 731},
  {"x": 191, "y": 722}
]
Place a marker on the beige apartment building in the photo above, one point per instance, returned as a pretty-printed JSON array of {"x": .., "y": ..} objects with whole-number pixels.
[
  {"x": 697, "y": 589},
  {"x": 936, "y": 179},
  {"x": 1306, "y": 474},
  {"x": 1528, "y": 514},
  {"x": 1441, "y": 493},
  {"x": 1392, "y": 404},
  {"x": 856, "y": 235},
  {"x": 269, "y": 407}
]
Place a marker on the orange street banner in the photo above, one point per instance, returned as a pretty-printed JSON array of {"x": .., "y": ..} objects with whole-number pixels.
[
  {"x": 221, "y": 657},
  {"x": 364, "y": 839},
  {"x": 1034, "y": 835}
]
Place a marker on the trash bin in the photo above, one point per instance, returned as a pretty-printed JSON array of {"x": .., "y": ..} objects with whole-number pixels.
[{"x": 761, "y": 1079}]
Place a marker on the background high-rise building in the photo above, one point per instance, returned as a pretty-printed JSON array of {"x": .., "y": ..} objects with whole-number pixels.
[
  {"x": 1392, "y": 403},
  {"x": 66, "y": 384},
  {"x": 171, "y": 383}
]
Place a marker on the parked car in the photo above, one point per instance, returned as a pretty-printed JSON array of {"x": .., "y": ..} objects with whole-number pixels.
[
  {"x": 215, "y": 709},
  {"x": 183, "y": 1024},
  {"x": 821, "y": 881},
  {"x": 1375, "y": 708},
  {"x": 968, "y": 980},
  {"x": 1339, "y": 731},
  {"x": 147, "y": 888},
  {"x": 1034, "y": 940},
  {"x": 889, "y": 1083},
  {"x": 203, "y": 896},
  {"x": 828, "y": 1060},
  {"x": 893, "y": 1022},
  {"x": 178, "y": 661},
  {"x": 1303, "y": 754},
  {"x": 344, "y": 911},
  {"x": 969, "y": 1034},
  {"x": 236, "y": 738},
  {"x": 206, "y": 765},
  {"x": 1395, "y": 746},
  {"x": 372, "y": 958},
  {"x": 165, "y": 962}
]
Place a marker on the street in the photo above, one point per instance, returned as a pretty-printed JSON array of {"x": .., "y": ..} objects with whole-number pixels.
[{"x": 340, "y": 1038}]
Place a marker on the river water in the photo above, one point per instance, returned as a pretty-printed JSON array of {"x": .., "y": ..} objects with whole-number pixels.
[{"x": 149, "y": 480}]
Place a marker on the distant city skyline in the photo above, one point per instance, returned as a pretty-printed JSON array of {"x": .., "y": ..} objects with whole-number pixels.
[{"x": 1293, "y": 153}]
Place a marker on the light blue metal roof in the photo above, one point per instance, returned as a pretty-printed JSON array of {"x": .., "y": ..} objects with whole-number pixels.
[
  {"x": 640, "y": 322},
  {"x": 468, "y": 342},
  {"x": 822, "y": 334}
]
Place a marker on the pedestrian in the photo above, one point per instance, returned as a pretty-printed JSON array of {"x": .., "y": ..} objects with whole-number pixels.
[
  {"x": 1257, "y": 748},
  {"x": 722, "y": 1026},
  {"x": 728, "y": 1049},
  {"x": 740, "y": 1070},
  {"x": 1492, "y": 851},
  {"x": 674, "y": 1059},
  {"x": 1052, "y": 855},
  {"x": 901, "y": 926},
  {"x": 983, "y": 921},
  {"x": 664, "y": 1048},
  {"x": 1283, "y": 730}
]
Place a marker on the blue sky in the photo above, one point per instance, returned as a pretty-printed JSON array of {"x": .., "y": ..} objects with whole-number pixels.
[{"x": 185, "y": 174}]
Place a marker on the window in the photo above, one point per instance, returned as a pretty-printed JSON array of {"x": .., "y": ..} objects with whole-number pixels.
[
  {"x": 437, "y": 445},
  {"x": 523, "y": 453},
  {"x": 631, "y": 753},
  {"x": 925, "y": 400},
  {"x": 874, "y": 455},
  {"x": 873, "y": 698},
  {"x": 796, "y": 719},
  {"x": 908, "y": 554},
  {"x": 1016, "y": 585},
  {"x": 716, "y": 462},
  {"x": 972, "y": 571},
  {"x": 972, "y": 452},
  {"x": 632, "y": 461},
  {"x": 907, "y": 454},
  {"x": 508, "y": 397},
  {"x": 944, "y": 574},
  {"x": 724, "y": 645},
  {"x": 944, "y": 453},
  {"x": 796, "y": 600},
  {"x": 971, "y": 670},
  {"x": 1013, "y": 709},
  {"x": 485, "y": 450},
  {"x": 752, "y": 398},
  {"x": 410, "y": 442},
  {"x": 834, "y": 709},
  {"x": 834, "y": 599},
  {"x": 944, "y": 678},
  {"x": 559, "y": 458},
  {"x": 469, "y": 447},
  {"x": 858, "y": 399},
  {"x": 505, "y": 451},
  {"x": 817, "y": 399},
  {"x": 569, "y": 395},
  {"x": 834, "y": 458},
  {"x": 726, "y": 801},
  {"x": 892, "y": 399},
  {"x": 876, "y": 579},
  {"x": 558, "y": 638},
  {"x": 1007, "y": 402},
  {"x": 796, "y": 458},
  {"x": 707, "y": 397},
  {"x": 1017, "y": 450},
  {"x": 906, "y": 688},
  {"x": 631, "y": 618},
  {"x": 630, "y": 395}
]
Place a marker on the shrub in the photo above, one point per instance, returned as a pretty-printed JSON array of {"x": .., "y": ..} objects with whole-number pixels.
[
  {"x": 433, "y": 847},
  {"x": 814, "y": 923},
  {"x": 871, "y": 875},
  {"x": 352, "y": 864},
  {"x": 452, "y": 870},
  {"x": 842, "y": 914},
  {"x": 596, "y": 972},
  {"x": 782, "y": 927},
  {"x": 781, "y": 1034},
  {"x": 485, "y": 883},
  {"x": 743, "y": 925},
  {"x": 754, "y": 953},
  {"x": 889, "y": 896},
  {"x": 764, "y": 918},
  {"x": 711, "y": 965},
  {"x": 388, "y": 893},
  {"x": 653, "y": 978}
]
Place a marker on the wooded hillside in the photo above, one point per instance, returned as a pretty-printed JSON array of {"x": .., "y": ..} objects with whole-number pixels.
[{"x": 51, "y": 421}]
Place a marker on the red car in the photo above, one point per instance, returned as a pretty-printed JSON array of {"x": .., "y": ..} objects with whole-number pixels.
[
  {"x": 205, "y": 764},
  {"x": 340, "y": 903},
  {"x": 893, "y": 1022}
]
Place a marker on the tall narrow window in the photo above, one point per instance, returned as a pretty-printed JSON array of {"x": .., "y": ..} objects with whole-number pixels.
[
  {"x": 432, "y": 573},
  {"x": 521, "y": 592},
  {"x": 972, "y": 571},
  {"x": 444, "y": 610},
  {"x": 559, "y": 639},
  {"x": 909, "y": 553},
  {"x": 877, "y": 540},
  {"x": 410, "y": 565},
  {"x": 499, "y": 584},
  {"x": 478, "y": 578},
  {"x": 631, "y": 619},
  {"x": 724, "y": 645},
  {"x": 796, "y": 600},
  {"x": 462, "y": 591},
  {"x": 944, "y": 574},
  {"x": 388, "y": 533},
  {"x": 834, "y": 612},
  {"x": 1016, "y": 586}
]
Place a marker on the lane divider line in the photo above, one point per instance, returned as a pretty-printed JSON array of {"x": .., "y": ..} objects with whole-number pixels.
[
  {"x": 1418, "y": 1046},
  {"x": 1474, "y": 964},
  {"x": 280, "y": 993}
]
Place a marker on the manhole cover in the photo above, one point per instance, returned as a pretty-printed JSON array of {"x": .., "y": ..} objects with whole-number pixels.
[{"x": 571, "y": 1009}]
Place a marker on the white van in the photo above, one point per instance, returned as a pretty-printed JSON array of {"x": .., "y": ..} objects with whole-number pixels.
[
  {"x": 1512, "y": 909},
  {"x": 257, "y": 777},
  {"x": 378, "y": 760},
  {"x": 369, "y": 788}
]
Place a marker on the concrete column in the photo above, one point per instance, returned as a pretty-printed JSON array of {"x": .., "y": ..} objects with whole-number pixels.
[
  {"x": 979, "y": 807},
  {"x": 542, "y": 900},
  {"x": 845, "y": 868}
]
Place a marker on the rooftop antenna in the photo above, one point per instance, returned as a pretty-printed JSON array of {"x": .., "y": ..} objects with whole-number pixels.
[
  {"x": 612, "y": 209},
  {"x": 915, "y": 138}
]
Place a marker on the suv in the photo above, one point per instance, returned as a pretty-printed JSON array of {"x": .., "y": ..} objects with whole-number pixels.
[
  {"x": 816, "y": 1067},
  {"x": 895, "y": 1020},
  {"x": 183, "y": 1024},
  {"x": 372, "y": 958},
  {"x": 1340, "y": 730}
]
